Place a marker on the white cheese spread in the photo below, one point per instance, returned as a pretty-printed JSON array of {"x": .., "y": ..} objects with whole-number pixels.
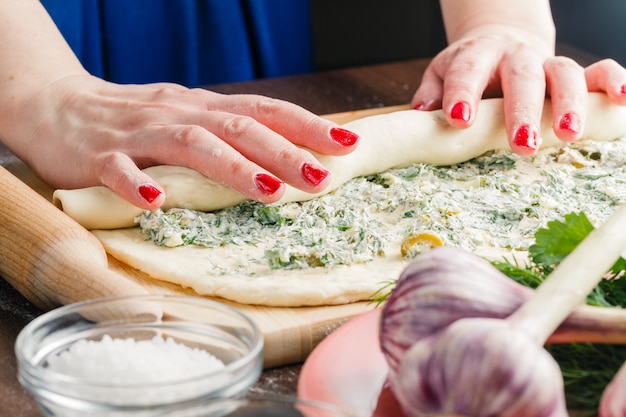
[{"x": 498, "y": 200}]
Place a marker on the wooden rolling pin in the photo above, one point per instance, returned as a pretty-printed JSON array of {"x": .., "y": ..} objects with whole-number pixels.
[{"x": 48, "y": 257}]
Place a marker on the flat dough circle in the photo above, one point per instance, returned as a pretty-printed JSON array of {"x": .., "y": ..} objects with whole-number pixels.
[{"x": 191, "y": 266}]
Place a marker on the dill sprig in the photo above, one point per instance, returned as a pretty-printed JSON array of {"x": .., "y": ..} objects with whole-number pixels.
[{"x": 381, "y": 294}]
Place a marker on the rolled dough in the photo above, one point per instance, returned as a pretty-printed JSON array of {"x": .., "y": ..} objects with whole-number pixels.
[{"x": 387, "y": 141}]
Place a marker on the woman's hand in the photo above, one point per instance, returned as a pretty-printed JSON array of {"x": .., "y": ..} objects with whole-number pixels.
[
  {"x": 76, "y": 130},
  {"x": 81, "y": 131},
  {"x": 497, "y": 50}
]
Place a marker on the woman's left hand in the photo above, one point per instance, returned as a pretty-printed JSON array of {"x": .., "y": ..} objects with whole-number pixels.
[{"x": 518, "y": 64}]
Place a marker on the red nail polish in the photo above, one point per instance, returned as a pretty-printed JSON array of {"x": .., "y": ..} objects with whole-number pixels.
[
  {"x": 419, "y": 106},
  {"x": 314, "y": 174},
  {"x": 343, "y": 137},
  {"x": 149, "y": 192},
  {"x": 570, "y": 122},
  {"x": 623, "y": 90},
  {"x": 526, "y": 137},
  {"x": 460, "y": 111},
  {"x": 267, "y": 183}
]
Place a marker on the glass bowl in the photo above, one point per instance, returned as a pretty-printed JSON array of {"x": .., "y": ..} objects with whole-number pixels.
[
  {"x": 279, "y": 406},
  {"x": 132, "y": 356}
]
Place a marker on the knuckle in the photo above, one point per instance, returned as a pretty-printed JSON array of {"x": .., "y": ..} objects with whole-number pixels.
[
  {"x": 106, "y": 168},
  {"x": 521, "y": 63},
  {"x": 464, "y": 46},
  {"x": 202, "y": 95},
  {"x": 291, "y": 156},
  {"x": 608, "y": 63},
  {"x": 529, "y": 71},
  {"x": 463, "y": 65},
  {"x": 107, "y": 160},
  {"x": 268, "y": 107},
  {"x": 168, "y": 89},
  {"x": 561, "y": 63},
  {"x": 313, "y": 124},
  {"x": 524, "y": 111},
  {"x": 188, "y": 135},
  {"x": 237, "y": 168},
  {"x": 137, "y": 120},
  {"x": 287, "y": 156},
  {"x": 237, "y": 126}
]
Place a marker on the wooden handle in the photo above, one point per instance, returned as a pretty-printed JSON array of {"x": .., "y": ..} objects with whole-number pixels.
[
  {"x": 574, "y": 278},
  {"x": 47, "y": 256}
]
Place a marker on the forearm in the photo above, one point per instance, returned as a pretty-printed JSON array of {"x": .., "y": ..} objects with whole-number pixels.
[
  {"x": 33, "y": 54},
  {"x": 462, "y": 17}
]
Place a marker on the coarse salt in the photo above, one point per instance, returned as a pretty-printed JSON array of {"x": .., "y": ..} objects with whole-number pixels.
[{"x": 129, "y": 361}]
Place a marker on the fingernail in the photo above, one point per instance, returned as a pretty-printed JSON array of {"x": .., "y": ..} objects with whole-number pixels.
[
  {"x": 343, "y": 137},
  {"x": 267, "y": 183},
  {"x": 526, "y": 137},
  {"x": 570, "y": 122},
  {"x": 623, "y": 90},
  {"x": 425, "y": 105},
  {"x": 460, "y": 111},
  {"x": 314, "y": 174},
  {"x": 149, "y": 192}
]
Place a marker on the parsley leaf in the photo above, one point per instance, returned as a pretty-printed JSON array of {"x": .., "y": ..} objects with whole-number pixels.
[{"x": 558, "y": 240}]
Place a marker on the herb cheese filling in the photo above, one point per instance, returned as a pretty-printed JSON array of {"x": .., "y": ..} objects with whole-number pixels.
[{"x": 498, "y": 200}]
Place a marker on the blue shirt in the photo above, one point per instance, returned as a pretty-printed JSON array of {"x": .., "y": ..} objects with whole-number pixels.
[{"x": 190, "y": 42}]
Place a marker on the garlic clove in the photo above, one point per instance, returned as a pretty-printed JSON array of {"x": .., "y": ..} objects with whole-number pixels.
[
  {"x": 504, "y": 374},
  {"x": 438, "y": 288}
]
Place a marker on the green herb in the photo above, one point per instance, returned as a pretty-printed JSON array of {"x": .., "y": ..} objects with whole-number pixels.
[
  {"x": 529, "y": 277},
  {"x": 381, "y": 294},
  {"x": 586, "y": 368},
  {"x": 555, "y": 242},
  {"x": 269, "y": 215}
]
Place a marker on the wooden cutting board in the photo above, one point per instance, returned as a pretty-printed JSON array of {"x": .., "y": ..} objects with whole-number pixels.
[{"x": 58, "y": 262}]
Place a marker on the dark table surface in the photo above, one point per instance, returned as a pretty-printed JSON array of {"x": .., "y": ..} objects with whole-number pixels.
[{"x": 322, "y": 93}]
